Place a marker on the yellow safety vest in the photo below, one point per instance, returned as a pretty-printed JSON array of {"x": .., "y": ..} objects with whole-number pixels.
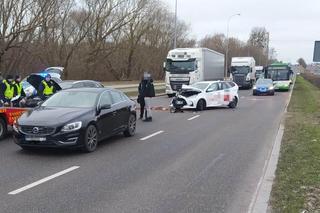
[
  {"x": 19, "y": 88},
  {"x": 9, "y": 90},
  {"x": 47, "y": 90}
]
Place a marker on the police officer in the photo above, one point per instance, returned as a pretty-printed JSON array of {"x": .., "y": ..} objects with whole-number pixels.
[
  {"x": 18, "y": 91},
  {"x": 47, "y": 88},
  {"x": 6, "y": 90}
]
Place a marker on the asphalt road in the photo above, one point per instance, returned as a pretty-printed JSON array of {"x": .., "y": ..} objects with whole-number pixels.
[{"x": 196, "y": 162}]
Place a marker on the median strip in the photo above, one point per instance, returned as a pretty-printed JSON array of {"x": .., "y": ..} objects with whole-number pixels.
[
  {"x": 17, "y": 191},
  {"x": 152, "y": 135}
]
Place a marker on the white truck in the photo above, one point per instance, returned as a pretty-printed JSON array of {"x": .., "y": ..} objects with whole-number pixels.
[
  {"x": 243, "y": 71},
  {"x": 186, "y": 66},
  {"x": 259, "y": 72}
]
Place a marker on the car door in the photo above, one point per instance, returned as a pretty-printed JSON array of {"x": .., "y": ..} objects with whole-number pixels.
[
  {"x": 214, "y": 94},
  {"x": 106, "y": 118},
  {"x": 122, "y": 109},
  {"x": 227, "y": 93}
]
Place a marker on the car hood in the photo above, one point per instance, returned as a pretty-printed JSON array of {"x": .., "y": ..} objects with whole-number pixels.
[
  {"x": 263, "y": 85},
  {"x": 190, "y": 88},
  {"x": 51, "y": 116}
]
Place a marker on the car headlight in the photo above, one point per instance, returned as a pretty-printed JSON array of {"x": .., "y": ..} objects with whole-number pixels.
[
  {"x": 254, "y": 87},
  {"x": 271, "y": 88},
  {"x": 72, "y": 127},
  {"x": 248, "y": 78}
]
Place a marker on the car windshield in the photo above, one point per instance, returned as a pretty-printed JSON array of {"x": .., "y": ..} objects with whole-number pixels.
[
  {"x": 240, "y": 70},
  {"x": 72, "y": 99},
  {"x": 264, "y": 81},
  {"x": 180, "y": 66},
  {"x": 201, "y": 86}
]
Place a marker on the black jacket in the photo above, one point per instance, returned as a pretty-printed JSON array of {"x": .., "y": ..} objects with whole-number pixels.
[{"x": 146, "y": 89}]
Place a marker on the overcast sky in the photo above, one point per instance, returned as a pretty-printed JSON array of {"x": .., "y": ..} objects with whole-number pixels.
[{"x": 294, "y": 25}]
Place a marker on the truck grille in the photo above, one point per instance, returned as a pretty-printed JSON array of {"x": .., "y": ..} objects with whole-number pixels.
[
  {"x": 239, "y": 79},
  {"x": 37, "y": 130},
  {"x": 177, "y": 85}
]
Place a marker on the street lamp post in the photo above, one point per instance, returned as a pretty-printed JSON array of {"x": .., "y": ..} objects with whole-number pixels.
[
  {"x": 175, "y": 25},
  {"x": 227, "y": 50}
]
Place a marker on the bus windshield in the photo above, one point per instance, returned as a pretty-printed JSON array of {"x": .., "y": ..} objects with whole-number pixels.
[{"x": 278, "y": 75}]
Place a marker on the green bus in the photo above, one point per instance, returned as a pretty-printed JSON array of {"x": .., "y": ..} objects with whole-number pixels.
[{"x": 281, "y": 74}]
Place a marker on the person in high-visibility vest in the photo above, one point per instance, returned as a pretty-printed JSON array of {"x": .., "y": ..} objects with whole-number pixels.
[
  {"x": 6, "y": 90},
  {"x": 18, "y": 92},
  {"x": 47, "y": 87}
]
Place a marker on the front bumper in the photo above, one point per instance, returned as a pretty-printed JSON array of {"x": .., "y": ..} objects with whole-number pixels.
[
  {"x": 57, "y": 140},
  {"x": 282, "y": 87},
  {"x": 264, "y": 92}
]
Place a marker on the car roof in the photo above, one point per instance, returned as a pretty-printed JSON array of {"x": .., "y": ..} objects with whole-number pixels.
[{"x": 76, "y": 81}]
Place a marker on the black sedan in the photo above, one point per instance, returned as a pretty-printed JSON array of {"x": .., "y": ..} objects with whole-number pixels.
[
  {"x": 263, "y": 87},
  {"x": 76, "y": 118}
]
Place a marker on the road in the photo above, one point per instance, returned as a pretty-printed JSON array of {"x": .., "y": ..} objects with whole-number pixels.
[{"x": 186, "y": 162}]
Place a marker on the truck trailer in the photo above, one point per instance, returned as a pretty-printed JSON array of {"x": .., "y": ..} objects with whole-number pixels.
[{"x": 186, "y": 66}]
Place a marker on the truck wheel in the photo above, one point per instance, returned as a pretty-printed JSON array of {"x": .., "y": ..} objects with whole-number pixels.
[
  {"x": 3, "y": 128},
  {"x": 201, "y": 105},
  {"x": 233, "y": 104}
]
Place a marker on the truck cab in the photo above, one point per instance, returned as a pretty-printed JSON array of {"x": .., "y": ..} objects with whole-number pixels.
[
  {"x": 243, "y": 71},
  {"x": 186, "y": 66}
]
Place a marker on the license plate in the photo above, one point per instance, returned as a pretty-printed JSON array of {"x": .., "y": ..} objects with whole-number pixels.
[{"x": 33, "y": 138}]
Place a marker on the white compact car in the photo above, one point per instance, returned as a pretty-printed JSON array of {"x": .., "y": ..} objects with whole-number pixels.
[{"x": 207, "y": 94}]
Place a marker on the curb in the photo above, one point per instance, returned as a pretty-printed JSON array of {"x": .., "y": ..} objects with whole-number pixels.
[{"x": 260, "y": 200}]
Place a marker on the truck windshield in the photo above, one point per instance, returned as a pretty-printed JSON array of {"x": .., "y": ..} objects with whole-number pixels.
[
  {"x": 278, "y": 75},
  {"x": 181, "y": 66},
  {"x": 240, "y": 70}
]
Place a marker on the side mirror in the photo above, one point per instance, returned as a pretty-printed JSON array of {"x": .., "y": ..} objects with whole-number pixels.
[
  {"x": 210, "y": 90},
  {"x": 39, "y": 103}
]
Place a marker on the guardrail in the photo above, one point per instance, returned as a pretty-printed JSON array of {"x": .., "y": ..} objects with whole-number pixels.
[{"x": 134, "y": 87}]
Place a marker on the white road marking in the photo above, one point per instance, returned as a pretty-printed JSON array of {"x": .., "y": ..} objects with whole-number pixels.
[
  {"x": 152, "y": 135},
  {"x": 194, "y": 117},
  {"x": 17, "y": 191}
]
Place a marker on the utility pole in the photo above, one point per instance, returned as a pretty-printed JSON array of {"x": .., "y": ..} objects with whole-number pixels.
[
  {"x": 227, "y": 50},
  {"x": 175, "y": 26}
]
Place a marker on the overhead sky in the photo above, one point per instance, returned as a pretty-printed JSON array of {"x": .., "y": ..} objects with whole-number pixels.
[{"x": 294, "y": 25}]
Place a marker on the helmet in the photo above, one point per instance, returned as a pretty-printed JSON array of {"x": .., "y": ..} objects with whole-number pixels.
[{"x": 47, "y": 76}]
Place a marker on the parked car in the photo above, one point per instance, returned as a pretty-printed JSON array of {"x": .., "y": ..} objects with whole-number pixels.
[
  {"x": 80, "y": 84},
  {"x": 264, "y": 86},
  {"x": 76, "y": 118},
  {"x": 206, "y": 94}
]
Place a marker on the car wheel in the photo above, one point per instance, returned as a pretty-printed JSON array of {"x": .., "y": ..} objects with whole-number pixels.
[
  {"x": 131, "y": 129},
  {"x": 3, "y": 128},
  {"x": 233, "y": 104},
  {"x": 91, "y": 139},
  {"x": 201, "y": 105}
]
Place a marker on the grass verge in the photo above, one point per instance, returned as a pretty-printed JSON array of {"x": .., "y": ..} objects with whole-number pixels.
[
  {"x": 297, "y": 184},
  {"x": 135, "y": 94}
]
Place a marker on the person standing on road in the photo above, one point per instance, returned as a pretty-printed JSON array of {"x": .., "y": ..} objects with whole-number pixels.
[
  {"x": 141, "y": 90},
  {"x": 149, "y": 94},
  {"x": 6, "y": 90},
  {"x": 47, "y": 88},
  {"x": 18, "y": 91}
]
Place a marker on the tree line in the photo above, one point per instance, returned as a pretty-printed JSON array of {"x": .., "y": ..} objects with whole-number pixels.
[{"x": 101, "y": 39}]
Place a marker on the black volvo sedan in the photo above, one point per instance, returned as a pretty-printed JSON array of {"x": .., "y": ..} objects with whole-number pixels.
[{"x": 76, "y": 118}]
